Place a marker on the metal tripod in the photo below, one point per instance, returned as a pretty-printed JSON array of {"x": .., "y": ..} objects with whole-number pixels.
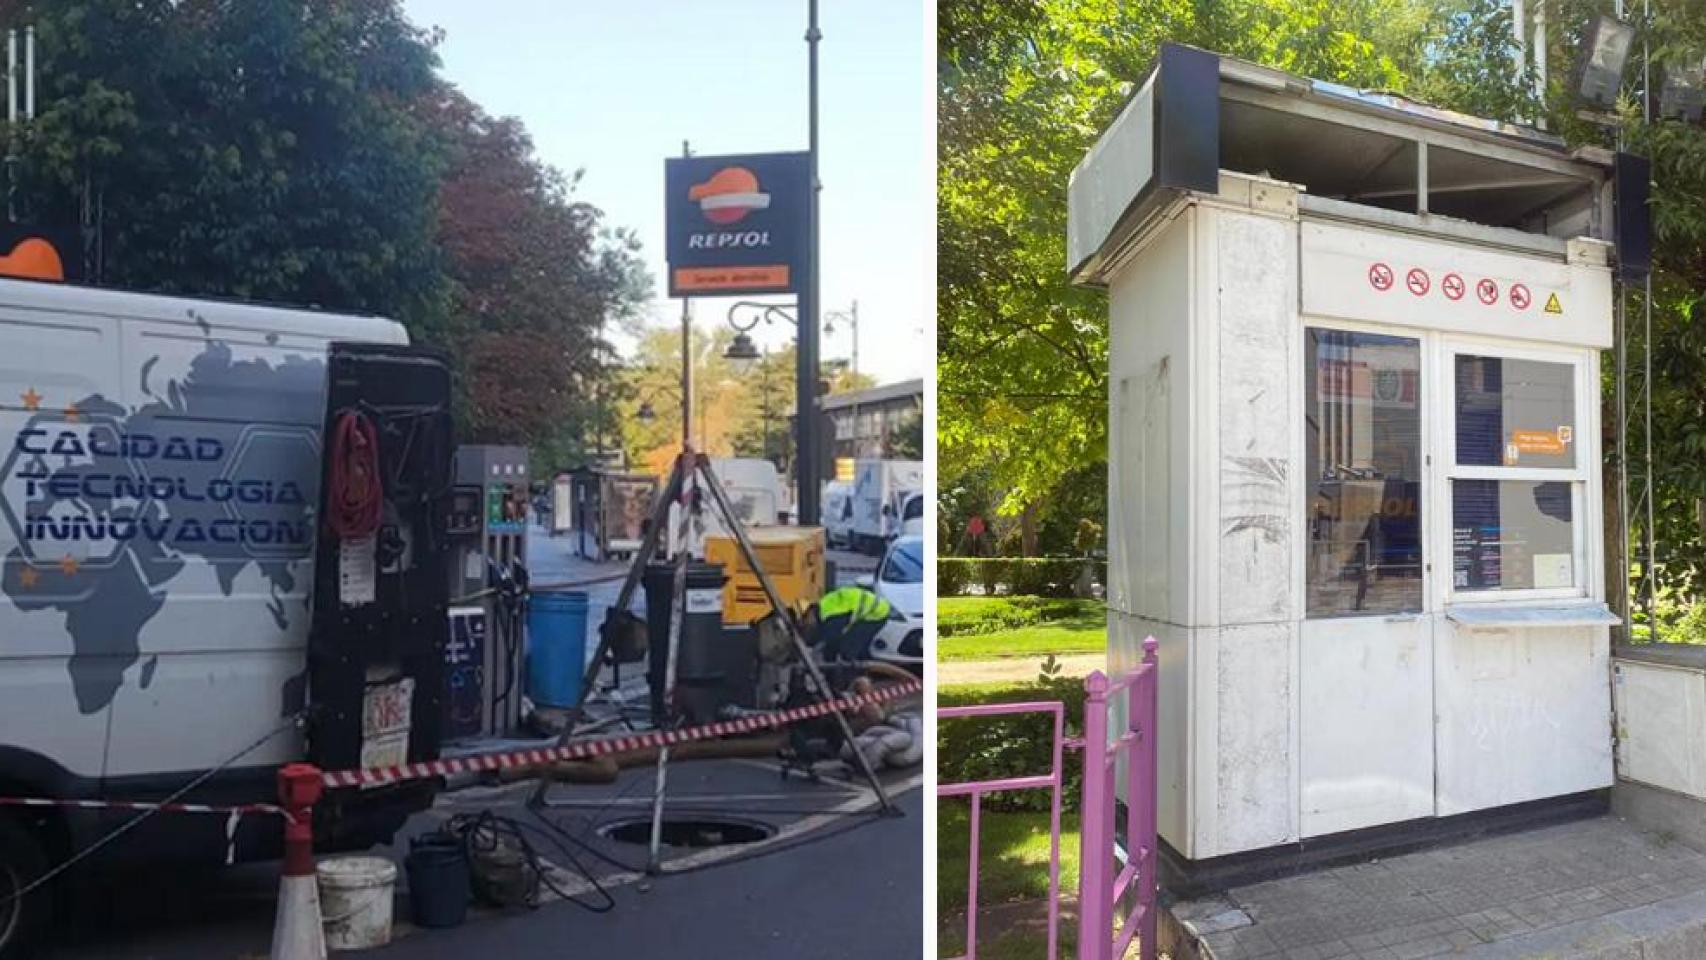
[{"x": 692, "y": 471}]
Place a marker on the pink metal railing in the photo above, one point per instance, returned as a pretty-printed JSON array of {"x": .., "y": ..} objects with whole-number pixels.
[
  {"x": 1100, "y": 889},
  {"x": 1050, "y": 781}
]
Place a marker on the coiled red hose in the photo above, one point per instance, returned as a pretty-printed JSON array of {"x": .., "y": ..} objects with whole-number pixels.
[{"x": 357, "y": 495}]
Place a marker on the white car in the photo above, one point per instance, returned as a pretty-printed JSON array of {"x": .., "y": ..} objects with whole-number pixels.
[{"x": 900, "y": 581}]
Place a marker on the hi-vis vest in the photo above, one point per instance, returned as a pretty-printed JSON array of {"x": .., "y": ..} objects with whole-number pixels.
[{"x": 856, "y": 602}]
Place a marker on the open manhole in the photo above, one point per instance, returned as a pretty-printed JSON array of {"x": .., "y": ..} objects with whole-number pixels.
[{"x": 689, "y": 831}]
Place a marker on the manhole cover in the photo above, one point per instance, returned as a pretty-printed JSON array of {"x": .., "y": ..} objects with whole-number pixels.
[{"x": 694, "y": 832}]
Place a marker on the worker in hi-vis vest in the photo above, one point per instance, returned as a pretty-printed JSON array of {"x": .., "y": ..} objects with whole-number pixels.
[{"x": 848, "y": 619}]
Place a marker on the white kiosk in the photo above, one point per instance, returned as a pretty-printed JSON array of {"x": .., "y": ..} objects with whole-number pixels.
[{"x": 1354, "y": 458}]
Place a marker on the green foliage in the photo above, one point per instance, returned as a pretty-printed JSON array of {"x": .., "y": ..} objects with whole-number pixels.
[
  {"x": 989, "y": 748},
  {"x": 1032, "y": 576},
  {"x": 308, "y": 152},
  {"x": 951, "y": 579},
  {"x": 1023, "y": 90},
  {"x": 969, "y": 616}
]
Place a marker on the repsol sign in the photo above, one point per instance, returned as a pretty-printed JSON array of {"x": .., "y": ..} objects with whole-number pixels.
[
  {"x": 737, "y": 225},
  {"x": 725, "y": 241}
]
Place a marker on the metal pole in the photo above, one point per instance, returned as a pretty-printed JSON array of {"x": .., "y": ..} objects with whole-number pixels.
[
  {"x": 808, "y": 459},
  {"x": 820, "y": 684},
  {"x": 686, "y": 355},
  {"x": 855, "y": 322},
  {"x": 677, "y": 621},
  {"x": 598, "y": 398},
  {"x": 30, "y": 72},
  {"x": 11, "y": 76}
]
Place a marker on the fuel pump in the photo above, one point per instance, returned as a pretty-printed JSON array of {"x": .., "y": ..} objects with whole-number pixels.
[{"x": 487, "y": 528}]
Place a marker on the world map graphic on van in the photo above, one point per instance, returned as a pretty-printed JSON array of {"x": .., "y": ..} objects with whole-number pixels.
[{"x": 109, "y": 506}]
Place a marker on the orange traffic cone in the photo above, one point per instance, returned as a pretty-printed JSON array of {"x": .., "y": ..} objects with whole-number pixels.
[{"x": 297, "y": 933}]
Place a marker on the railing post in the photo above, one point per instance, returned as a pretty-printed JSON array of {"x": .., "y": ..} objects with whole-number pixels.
[
  {"x": 1149, "y": 789},
  {"x": 1095, "y": 885}
]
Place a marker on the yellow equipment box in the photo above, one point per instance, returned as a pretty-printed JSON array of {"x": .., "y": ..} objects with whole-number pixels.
[{"x": 791, "y": 556}]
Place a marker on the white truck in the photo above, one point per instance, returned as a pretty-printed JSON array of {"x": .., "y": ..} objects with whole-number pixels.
[
  {"x": 837, "y": 513},
  {"x": 880, "y": 489},
  {"x": 158, "y": 490}
]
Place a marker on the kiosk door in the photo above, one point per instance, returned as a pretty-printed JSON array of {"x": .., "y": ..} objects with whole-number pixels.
[{"x": 1366, "y": 661}]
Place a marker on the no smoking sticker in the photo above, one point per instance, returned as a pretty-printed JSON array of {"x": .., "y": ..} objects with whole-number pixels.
[
  {"x": 1452, "y": 286},
  {"x": 1380, "y": 276},
  {"x": 1417, "y": 280}
]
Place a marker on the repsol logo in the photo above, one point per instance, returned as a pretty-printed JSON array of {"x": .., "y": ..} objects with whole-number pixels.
[
  {"x": 729, "y": 240},
  {"x": 97, "y": 443}
]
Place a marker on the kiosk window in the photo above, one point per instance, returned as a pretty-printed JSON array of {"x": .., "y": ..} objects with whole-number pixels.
[
  {"x": 1515, "y": 413},
  {"x": 1512, "y": 535},
  {"x": 1516, "y": 483},
  {"x": 1364, "y": 472}
]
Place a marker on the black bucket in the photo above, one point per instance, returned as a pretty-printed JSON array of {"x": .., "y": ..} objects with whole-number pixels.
[{"x": 439, "y": 885}]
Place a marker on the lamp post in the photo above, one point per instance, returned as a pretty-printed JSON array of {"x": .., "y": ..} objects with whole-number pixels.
[
  {"x": 851, "y": 318},
  {"x": 808, "y": 458}
]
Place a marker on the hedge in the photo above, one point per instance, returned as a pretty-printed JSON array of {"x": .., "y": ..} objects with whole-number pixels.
[
  {"x": 990, "y": 748},
  {"x": 1031, "y": 576}
]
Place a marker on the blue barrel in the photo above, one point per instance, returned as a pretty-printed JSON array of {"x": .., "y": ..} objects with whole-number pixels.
[{"x": 556, "y": 647}]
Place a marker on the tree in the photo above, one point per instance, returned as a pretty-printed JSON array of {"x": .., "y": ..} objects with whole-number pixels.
[
  {"x": 533, "y": 283},
  {"x": 1023, "y": 90},
  {"x": 268, "y": 150},
  {"x": 308, "y": 152}
]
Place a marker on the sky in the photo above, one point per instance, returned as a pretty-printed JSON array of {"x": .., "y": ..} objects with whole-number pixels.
[{"x": 614, "y": 86}]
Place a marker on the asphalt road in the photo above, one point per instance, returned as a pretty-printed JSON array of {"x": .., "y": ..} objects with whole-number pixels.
[
  {"x": 855, "y": 892},
  {"x": 849, "y": 889}
]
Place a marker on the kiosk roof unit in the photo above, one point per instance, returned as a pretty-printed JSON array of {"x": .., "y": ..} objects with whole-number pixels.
[
  {"x": 1354, "y": 457},
  {"x": 1354, "y": 155}
]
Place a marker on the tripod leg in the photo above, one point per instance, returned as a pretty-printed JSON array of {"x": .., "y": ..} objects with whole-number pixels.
[
  {"x": 648, "y": 548},
  {"x": 677, "y": 620},
  {"x": 642, "y": 557},
  {"x": 711, "y": 485}
]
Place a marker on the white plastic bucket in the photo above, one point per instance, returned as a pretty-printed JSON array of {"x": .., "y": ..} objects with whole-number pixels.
[{"x": 355, "y": 901}]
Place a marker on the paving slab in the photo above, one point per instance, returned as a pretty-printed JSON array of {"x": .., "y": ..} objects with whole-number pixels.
[{"x": 1600, "y": 888}]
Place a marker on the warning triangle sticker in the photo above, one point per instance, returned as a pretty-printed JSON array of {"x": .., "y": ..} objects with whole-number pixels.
[{"x": 1552, "y": 304}]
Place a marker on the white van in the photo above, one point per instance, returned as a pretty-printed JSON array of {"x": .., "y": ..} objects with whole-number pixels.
[
  {"x": 837, "y": 513},
  {"x": 880, "y": 488},
  {"x": 160, "y": 478}
]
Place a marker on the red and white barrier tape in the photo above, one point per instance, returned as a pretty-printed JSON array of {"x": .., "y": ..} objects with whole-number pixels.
[
  {"x": 376, "y": 776},
  {"x": 232, "y": 814},
  {"x": 239, "y": 810}
]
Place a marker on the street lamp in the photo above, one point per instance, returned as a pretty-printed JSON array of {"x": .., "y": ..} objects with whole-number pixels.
[
  {"x": 851, "y": 318},
  {"x": 1599, "y": 75},
  {"x": 742, "y": 350}
]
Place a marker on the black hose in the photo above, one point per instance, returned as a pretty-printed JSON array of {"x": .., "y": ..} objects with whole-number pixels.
[{"x": 485, "y": 831}]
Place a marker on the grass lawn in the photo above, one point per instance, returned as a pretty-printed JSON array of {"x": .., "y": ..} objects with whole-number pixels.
[
  {"x": 959, "y": 616},
  {"x": 1013, "y": 862},
  {"x": 1033, "y": 642},
  {"x": 994, "y": 628},
  {"x": 1013, "y": 867}
]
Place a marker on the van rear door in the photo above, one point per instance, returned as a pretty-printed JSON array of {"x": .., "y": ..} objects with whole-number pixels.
[{"x": 376, "y": 643}]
